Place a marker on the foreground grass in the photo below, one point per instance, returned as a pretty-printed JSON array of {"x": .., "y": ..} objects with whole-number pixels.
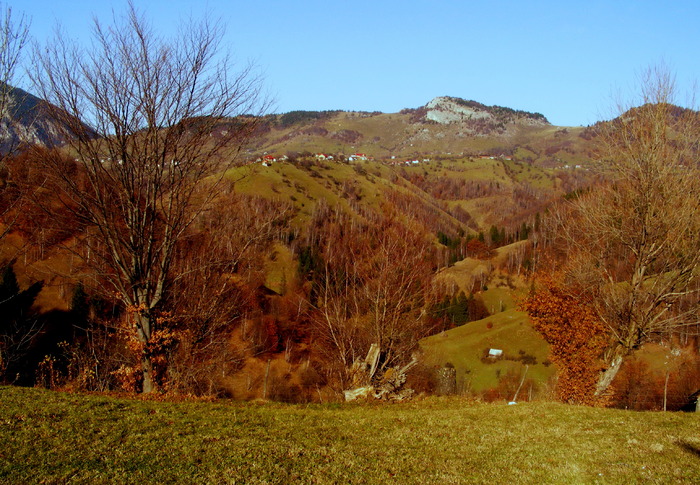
[{"x": 51, "y": 437}]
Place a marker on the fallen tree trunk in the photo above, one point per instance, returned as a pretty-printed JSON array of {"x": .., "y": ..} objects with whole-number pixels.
[{"x": 366, "y": 383}]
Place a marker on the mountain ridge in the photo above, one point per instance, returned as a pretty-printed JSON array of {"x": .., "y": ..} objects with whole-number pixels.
[
  {"x": 25, "y": 120},
  {"x": 445, "y": 126}
]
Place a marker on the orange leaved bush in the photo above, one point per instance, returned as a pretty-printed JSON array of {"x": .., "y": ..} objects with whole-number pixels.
[{"x": 577, "y": 339}]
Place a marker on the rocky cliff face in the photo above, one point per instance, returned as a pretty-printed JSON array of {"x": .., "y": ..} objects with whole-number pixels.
[
  {"x": 445, "y": 110},
  {"x": 24, "y": 121},
  {"x": 448, "y": 110}
]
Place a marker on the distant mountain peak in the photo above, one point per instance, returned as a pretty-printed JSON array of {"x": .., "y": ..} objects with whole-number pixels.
[{"x": 448, "y": 109}]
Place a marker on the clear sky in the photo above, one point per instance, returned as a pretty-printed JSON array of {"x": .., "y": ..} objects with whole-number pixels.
[{"x": 563, "y": 59}]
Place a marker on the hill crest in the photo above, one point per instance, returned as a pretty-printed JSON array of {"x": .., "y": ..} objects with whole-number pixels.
[{"x": 448, "y": 109}]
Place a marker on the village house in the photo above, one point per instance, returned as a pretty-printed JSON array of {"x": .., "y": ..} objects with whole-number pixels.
[
  {"x": 358, "y": 156},
  {"x": 267, "y": 160}
]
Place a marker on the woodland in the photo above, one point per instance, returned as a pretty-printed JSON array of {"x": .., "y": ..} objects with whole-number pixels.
[{"x": 145, "y": 251}]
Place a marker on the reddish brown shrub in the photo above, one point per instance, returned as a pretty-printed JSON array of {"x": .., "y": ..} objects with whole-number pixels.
[{"x": 576, "y": 337}]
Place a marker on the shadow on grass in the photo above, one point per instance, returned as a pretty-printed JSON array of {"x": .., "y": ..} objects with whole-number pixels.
[{"x": 694, "y": 449}]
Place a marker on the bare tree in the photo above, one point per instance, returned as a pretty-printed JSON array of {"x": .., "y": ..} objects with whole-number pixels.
[
  {"x": 632, "y": 243},
  {"x": 373, "y": 291},
  {"x": 398, "y": 275},
  {"x": 219, "y": 267},
  {"x": 152, "y": 123},
  {"x": 14, "y": 34}
]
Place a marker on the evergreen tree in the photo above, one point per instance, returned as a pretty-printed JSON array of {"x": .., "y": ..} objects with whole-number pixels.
[
  {"x": 80, "y": 305},
  {"x": 495, "y": 236},
  {"x": 18, "y": 326},
  {"x": 9, "y": 287},
  {"x": 524, "y": 231},
  {"x": 459, "y": 309}
]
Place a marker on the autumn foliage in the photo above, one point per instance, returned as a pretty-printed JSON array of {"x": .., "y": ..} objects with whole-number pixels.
[{"x": 577, "y": 338}]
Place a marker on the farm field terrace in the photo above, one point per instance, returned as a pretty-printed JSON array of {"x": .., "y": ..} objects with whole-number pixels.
[{"x": 53, "y": 437}]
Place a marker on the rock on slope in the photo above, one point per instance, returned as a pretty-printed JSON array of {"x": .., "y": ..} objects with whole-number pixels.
[{"x": 449, "y": 110}]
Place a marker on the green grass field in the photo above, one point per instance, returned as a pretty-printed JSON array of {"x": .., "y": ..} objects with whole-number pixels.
[
  {"x": 51, "y": 437},
  {"x": 463, "y": 347}
]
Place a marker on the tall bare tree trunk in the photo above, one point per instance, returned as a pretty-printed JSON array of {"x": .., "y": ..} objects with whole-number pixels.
[
  {"x": 147, "y": 370},
  {"x": 608, "y": 375},
  {"x": 143, "y": 333}
]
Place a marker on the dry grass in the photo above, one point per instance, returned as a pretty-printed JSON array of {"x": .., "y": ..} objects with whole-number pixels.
[{"x": 52, "y": 437}]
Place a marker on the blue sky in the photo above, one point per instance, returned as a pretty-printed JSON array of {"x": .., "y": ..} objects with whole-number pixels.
[{"x": 563, "y": 59}]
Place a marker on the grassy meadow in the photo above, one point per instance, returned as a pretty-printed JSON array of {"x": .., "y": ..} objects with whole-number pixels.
[
  {"x": 52, "y": 437},
  {"x": 464, "y": 346}
]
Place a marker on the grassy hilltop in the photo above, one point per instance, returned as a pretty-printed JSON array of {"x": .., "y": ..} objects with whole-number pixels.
[{"x": 51, "y": 437}]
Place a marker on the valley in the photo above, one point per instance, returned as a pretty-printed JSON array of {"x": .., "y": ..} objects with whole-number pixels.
[{"x": 436, "y": 218}]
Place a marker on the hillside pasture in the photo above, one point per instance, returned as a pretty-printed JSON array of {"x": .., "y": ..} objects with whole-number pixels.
[{"x": 464, "y": 348}]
